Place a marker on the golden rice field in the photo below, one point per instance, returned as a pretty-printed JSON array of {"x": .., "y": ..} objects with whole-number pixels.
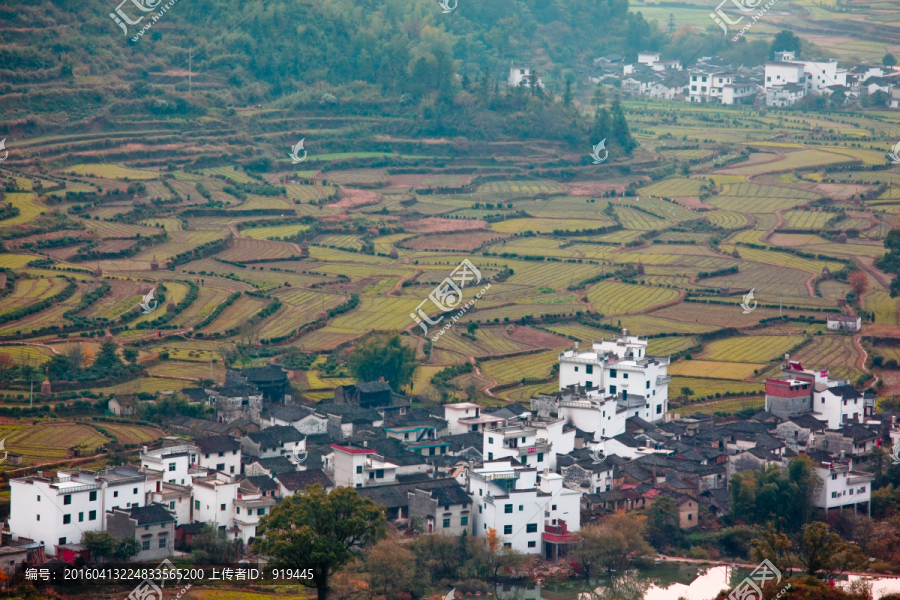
[
  {"x": 669, "y": 188},
  {"x": 731, "y": 405},
  {"x": 669, "y": 345},
  {"x": 48, "y": 442},
  {"x": 610, "y": 297},
  {"x": 834, "y": 352},
  {"x": 25, "y": 355},
  {"x": 516, "y": 368},
  {"x": 539, "y": 225},
  {"x": 523, "y": 187},
  {"x": 715, "y": 369},
  {"x": 525, "y": 393},
  {"x": 884, "y": 307},
  {"x": 805, "y": 219},
  {"x": 709, "y": 387},
  {"x": 750, "y": 349},
  {"x": 108, "y": 171},
  {"x": 652, "y": 325},
  {"x": 278, "y": 231},
  {"x": 133, "y": 434},
  {"x": 727, "y": 219}
]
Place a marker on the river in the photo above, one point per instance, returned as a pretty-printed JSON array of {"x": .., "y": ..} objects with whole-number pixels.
[{"x": 672, "y": 581}]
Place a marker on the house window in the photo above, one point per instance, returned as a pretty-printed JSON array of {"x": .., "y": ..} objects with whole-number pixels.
[
  {"x": 576, "y": 369},
  {"x": 531, "y": 528},
  {"x": 67, "y": 519},
  {"x": 62, "y": 541},
  {"x": 260, "y": 511},
  {"x": 145, "y": 545},
  {"x": 115, "y": 494},
  {"x": 221, "y": 507},
  {"x": 172, "y": 505},
  {"x": 553, "y": 507},
  {"x": 507, "y": 545},
  {"x": 221, "y": 454},
  {"x": 359, "y": 469},
  {"x": 39, "y": 517},
  {"x": 92, "y": 515},
  {"x": 464, "y": 521},
  {"x": 588, "y": 384},
  {"x": 67, "y": 499},
  {"x": 490, "y": 440},
  {"x": 648, "y": 385},
  {"x": 612, "y": 389},
  {"x": 532, "y": 544},
  {"x": 446, "y": 522},
  {"x": 834, "y": 477},
  {"x": 659, "y": 409},
  {"x": 540, "y": 457},
  {"x": 171, "y": 466},
  {"x": 507, "y": 530},
  {"x": 196, "y": 505},
  {"x": 479, "y": 508},
  {"x": 220, "y": 467},
  {"x": 507, "y": 508},
  {"x": 612, "y": 373},
  {"x": 81, "y": 517},
  {"x": 521, "y": 508},
  {"x": 232, "y": 469},
  {"x": 589, "y": 369},
  {"x": 162, "y": 543},
  {"x": 625, "y": 375},
  {"x": 690, "y": 517},
  {"x": 490, "y": 456},
  {"x": 135, "y": 490},
  {"x": 405, "y": 436},
  {"x": 237, "y": 510}
]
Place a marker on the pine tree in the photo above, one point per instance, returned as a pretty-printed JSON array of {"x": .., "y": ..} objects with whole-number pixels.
[
  {"x": 620, "y": 131},
  {"x": 602, "y": 126},
  {"x": 567, "y": 96}
]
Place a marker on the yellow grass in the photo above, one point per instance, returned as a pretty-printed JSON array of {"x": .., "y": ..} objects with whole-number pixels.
[
  {"x": 109, "y": 171},
  {"x": 713, "y": 369}
]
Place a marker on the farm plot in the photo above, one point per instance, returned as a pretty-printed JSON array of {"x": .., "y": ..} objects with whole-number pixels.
[
  {"x": 669, "y": 188},
  {"x": 255, "y": 202},
  {"x": 176, "y": 369},
  {"x": 634, "y": 219},
  {"x": 566, "y": 207},
  {"x": 884, "y": 307},
  {"x": 29, "y": 291},
  {"x": 109, "y": 171},
  {"x": 750, "y": 349},
  {"x": 516, "y": 368},
  {"x": 382, "y": 313},
  {"x": 552, "y": 275},
  {"x": 250, "y": 250},
  {"x": 535, "y": 247},
  {"x": 229, "y": 172},
  {"x": 719, "y": 315},
  {"x": 47, "y": 442},
  {"x": 27, "y": 355},
  {"x": 105, "y": 229},
  {"x": 833, "y": 352},
  {"x": 805, "y": 219},
  {"x": 783, "y": 259},
  {"x": 347, "y": 242},
  {"x": 167, "y": 224},
  {"x": 727, "y": 219},
  {"x": 421, "y": 384},
  {"x": 521, "y": 187},
  {"x": 326, "y": 338},
  {"x": 525, "y": 393},
  {"x": 731, "y": 406},
  {"x": 544, "y": 225},
  {"x": 652, "y": 325},
  {"x": 242, "y": 309},
  {"x": 702, "y": 387},
  {"x": 133, "y": 434},
  {"x": 754, "y": 205},
  {"x": 715, "y": 369},
  {"x": 29, "y": 209},
  {"x": 792, "y": 160},
  {"x": 754, "y": 190},
  {"x": 175, "y": 291},
  {"x": 148, "y": 385},
  {"x": 384, "y": 243},
  {"x": 610, "y": 297},
  {"x": 489, "y": 341},
  {"x": 668, "y": 346},
  {"x": 271, "y": 233},
  {"x": 291, "y": 317},
  {"x": 870, "y": 157}
]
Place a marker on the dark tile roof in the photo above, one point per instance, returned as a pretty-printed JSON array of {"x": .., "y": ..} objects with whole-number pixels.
[
  {"x": 451, "y": 494},
  {"x": 413, "y": 477},
  {"x": 217, "y": 443},
  {"x": 289, "y": 413},
  {"x": 807, "y": 421},
  {"x": 857, "y": 432},
  {"x": 627, "y": 440},
  {"x": 678, "y": 464},
  {"x": 264, "y": 374},
  {"x": 195, "y": 394},
  {"x": 396, "y": 495},
  {"x": 369, "y": 387},
  {"x": 766, "y": 441},
  {"x": 462, "y": 441},
  {"x": 394, "y": 451},
  {"x": 262, "y": 482},
  {"x": 847, "y": 392},
  {"x": 299, "y": 480},
  {"x": 349, "y": 413},
  {"x": 152, "y": 513},
  {"x": 276, "y": 436},
  {"x": 276, "y": 464},
  {"x": 764, "y": 454},
  {"x": 635, "y": 424},
  {"x": 636, "y": 472},
  {"x": 199, "y": 424},
  {"x": 191, "y": 528}
]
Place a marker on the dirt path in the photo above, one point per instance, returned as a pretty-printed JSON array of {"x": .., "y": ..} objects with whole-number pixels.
[
  {"x": 486, "y": 389},
  {"x": 809, "y": 286},
  {"x": 861, "y": 363},
  {"x": 778, "y": 225},
  {"x": 399, "y": 285},
  {"x": 235, "y": 231}
]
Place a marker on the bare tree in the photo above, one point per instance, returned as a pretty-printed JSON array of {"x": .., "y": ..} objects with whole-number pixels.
[{"x": 75, "y": 354}]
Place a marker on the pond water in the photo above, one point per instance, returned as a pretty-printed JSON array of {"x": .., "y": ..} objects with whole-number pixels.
[{"x": 671, "y": 581}]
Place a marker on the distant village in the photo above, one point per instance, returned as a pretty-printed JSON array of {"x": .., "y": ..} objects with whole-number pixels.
[
  {"x": 605, "y": 442},
  {"x": 786, "y": 81}
]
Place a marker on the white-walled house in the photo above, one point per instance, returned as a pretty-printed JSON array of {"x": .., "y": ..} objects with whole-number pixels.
[
  {"x": 303, "y": 419},
  {"x": 214, "y": 498},
  {"x": 620, "y": 368},
  {"x": 466, "y": 417},
  {"x": 356, "y": 466},
  {"x": 219, "y": 453},
  {"x": 782, "y": 73},
  {"x": 840, "y": 322},
  {"x": 520, "y": 75},
  {"x": 176, "y": 498},
  {"x": 171, "y": 464},
  {"x": 519, "y": 442},
  {"x": 272, "y": 441},
  {"x": 248, "y": 510},
  {"x": 648, "y": 58},
  {"x": 56, "y": 511},
  {"x": 842, "y": 487}
]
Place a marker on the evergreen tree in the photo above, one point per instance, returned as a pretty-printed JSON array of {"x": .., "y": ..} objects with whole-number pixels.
[
  {"x": 567, "y": 95},
  {"x": 620, "y": 131}
]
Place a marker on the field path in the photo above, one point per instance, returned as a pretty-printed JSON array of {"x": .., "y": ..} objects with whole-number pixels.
[
  {"x": 861, "y": 363},
  {"x": 235, "y": 231},
  {"x": 809, "y": 286},
  {"x": 778, "y": 225},
  {"x": 399, "y": 285},
  {"x": 486, "y": 389}
]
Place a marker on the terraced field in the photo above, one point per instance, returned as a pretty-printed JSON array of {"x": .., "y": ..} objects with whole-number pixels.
[
  {"x": 611, "y": 298},
  {"x": 531, "y": 366},
  {"x": 751, "y": 349},
  {"x": 715, "y": 369}
]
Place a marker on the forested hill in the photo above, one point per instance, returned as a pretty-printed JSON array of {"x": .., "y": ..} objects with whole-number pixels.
[{"x": 69, "y": 57}]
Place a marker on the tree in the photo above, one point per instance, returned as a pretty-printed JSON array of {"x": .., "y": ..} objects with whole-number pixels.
[
  {"x": 102, "y": 545},
  {"x": 663, "y": 524},
  {"x": 837, "y": 99},
  {"x": 859, "y": 283},
  {"x": 612, "y": 544},
  {"x": 391, "y": 568},
  {"x": 889, "y": 60},
  {"x": 471, "y": 328},
  {"x": 212, "y": 546},
  {"x": 567, "y": 95},
  {"x": 671, "y": 25},
  {"x": 320, "y": 530},
  {"x": 620, "y": 131},
  {"x": 599, "y": 96},
  {"x": 498, "y": 556},
  {"x": 686, "y": 391},
  {"x": 384, "y": 357},
  {"x": 822, "y": 550},
  {"x": 775, "y": 546},
  {"x": 130, "y": 355},
  {"x": 785, "y": 40},
  {"x": 75, "y": 354},
  {"x": 108, "y": 358},
  {"x": 890, "y": 262}
]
